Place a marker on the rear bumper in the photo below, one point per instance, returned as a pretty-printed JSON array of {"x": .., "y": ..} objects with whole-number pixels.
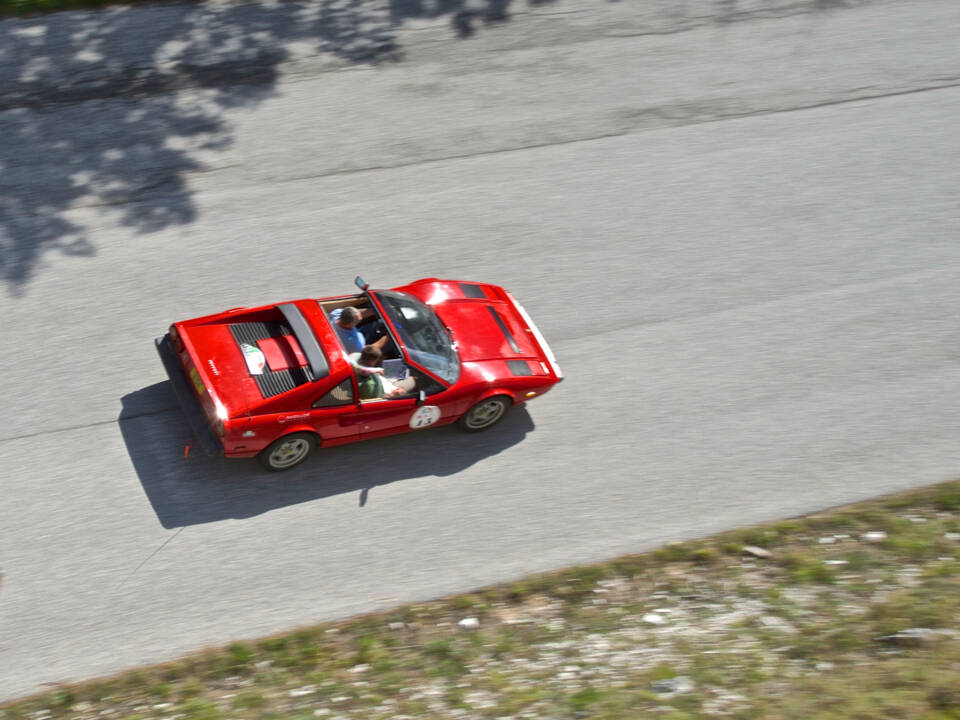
[{"x": 196, "y": 417}]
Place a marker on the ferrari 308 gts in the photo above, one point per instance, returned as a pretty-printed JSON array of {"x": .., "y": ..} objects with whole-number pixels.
[{"x": 277, "y": 381}]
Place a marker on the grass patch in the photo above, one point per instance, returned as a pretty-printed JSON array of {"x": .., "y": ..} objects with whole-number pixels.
[
  {"x": 10, "y": 8},
  {"x": 947, "y": 497},
  {"x": 199, "y": 709},
  {"x": 250, "y": 700},
  {"x": 582, "y": 699},
  {"x": 916, "y": 608},
  {"x": 807, "y": 567}
]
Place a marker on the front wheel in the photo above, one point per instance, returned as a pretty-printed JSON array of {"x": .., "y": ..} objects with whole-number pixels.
[
  {"x": 485, "y": 414},
  {"x": 287, "y": 452}
]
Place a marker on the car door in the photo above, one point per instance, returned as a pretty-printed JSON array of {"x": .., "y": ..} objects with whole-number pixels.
[
  {"x": 386, "y": 417},
  {"x": 334, "y": 415}
]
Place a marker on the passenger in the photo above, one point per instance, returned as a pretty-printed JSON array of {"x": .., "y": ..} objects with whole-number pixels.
[
  {"x": 373, "y": 385},
  {"x": 346, "y": 321}
]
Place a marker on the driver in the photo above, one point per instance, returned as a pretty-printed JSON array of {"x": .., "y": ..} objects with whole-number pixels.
[
  {"x": 346, "y": 321},
  {"x": 372, "y": 384}
]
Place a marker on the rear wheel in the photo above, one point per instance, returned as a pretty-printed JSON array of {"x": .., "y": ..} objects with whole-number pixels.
[
  {"x": 287, "y": 452},
  {"x": 485, "y": 414}
]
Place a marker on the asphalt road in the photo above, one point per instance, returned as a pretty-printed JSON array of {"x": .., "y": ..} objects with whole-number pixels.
[{"x": 738, "y": 225}]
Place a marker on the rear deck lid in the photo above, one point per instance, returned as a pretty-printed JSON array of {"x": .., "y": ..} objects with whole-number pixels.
[{"x": 217, "y": 369}]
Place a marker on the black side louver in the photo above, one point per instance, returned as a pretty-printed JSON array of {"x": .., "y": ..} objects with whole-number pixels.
[
  {"x": 505, "y": 330},
  {"x": 472, "y": 291}
]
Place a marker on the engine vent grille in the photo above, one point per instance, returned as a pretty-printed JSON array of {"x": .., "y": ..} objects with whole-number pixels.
[{"x": 270, "y": 382}]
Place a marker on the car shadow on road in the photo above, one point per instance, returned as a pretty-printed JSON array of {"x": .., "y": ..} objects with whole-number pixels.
[{"x": 199, "y": 489}]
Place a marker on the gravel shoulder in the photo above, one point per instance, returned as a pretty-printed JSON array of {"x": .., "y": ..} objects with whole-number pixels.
[{"x": 849, "y": 613}]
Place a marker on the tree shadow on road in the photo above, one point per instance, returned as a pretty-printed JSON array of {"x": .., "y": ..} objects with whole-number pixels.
[
  {"x": 465, "y": 15},
  {"x": 198, "y": 489},
  {"x": 90, "y": 116},
  {"x": 729, "y": 11}
]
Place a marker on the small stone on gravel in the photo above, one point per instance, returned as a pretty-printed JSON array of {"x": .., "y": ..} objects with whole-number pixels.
[
  {"x": 917, "y": 636},
  {"x": 774, "y": 622},
  {"x": 673, "y": 686}
]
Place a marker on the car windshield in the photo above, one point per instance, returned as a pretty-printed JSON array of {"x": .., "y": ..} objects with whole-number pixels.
[{"x": 425, "y": 338}]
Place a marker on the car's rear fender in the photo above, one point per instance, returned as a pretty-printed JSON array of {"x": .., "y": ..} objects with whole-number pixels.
[
  {"x": 241, "y": 447},
  {"x": 299, "y": 428}
]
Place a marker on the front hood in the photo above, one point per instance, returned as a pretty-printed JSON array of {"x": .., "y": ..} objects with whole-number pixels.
[{"x": 487, "y": 330}]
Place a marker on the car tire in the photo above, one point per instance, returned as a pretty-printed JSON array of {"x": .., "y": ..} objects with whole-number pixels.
[
  {"x": 485, "y": 414},
  {"x": 288, "y": 451}
]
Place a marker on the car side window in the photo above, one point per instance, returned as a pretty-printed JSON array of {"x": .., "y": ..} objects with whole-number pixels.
[{"x": 341, "y": 394}]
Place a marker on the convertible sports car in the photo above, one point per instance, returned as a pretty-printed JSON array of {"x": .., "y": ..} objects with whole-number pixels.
[{"x": 277, "y": 381}]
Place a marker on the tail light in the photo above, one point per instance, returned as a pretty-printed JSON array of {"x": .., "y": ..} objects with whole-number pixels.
[{"x": 218, "y": 421}]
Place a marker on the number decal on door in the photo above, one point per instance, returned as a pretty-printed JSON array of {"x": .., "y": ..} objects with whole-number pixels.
[{"x": 425, "y": 416}]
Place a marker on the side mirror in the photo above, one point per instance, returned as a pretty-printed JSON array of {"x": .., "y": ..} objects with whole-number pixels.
[
  {"x": 360, "y": 283},
  {"x": 421, "y": 398}
]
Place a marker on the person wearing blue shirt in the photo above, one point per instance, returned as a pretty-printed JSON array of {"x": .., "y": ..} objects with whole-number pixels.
[{"x": 346, "y": 321}]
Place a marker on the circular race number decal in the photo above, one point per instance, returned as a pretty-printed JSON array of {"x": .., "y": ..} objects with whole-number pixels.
[{"x": 425, "y": 416}]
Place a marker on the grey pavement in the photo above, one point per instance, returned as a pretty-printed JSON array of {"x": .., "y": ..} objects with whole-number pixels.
[{"x": 737, "y": 224}]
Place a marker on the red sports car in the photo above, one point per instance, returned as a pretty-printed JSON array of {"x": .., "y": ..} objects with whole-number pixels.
[{"x": 279, "y": 380}]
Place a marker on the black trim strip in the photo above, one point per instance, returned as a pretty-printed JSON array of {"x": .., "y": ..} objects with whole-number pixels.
[
  {"x": 308, "y": 341},
  {"x": 472, "y": 291},
  {"x": 506, "y": 332},
  {"x": 519, "y": 367},
  {"x": 196, "y": 417}
]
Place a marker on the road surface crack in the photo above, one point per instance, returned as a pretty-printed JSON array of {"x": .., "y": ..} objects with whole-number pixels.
[{"x": 147, "y": 559}]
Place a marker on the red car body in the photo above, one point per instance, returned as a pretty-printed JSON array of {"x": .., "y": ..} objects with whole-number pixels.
[{"x": 260, "y": 381}]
